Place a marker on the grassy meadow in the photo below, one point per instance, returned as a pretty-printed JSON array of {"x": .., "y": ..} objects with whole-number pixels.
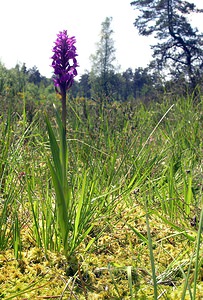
[{"x": 130, "y": 209}]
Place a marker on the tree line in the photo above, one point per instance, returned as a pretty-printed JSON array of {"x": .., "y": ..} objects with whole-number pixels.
[
  {"x": 129, "y": 84},
  {"x": 176, "y": 66},
  {"x": 177, "y": 61}
]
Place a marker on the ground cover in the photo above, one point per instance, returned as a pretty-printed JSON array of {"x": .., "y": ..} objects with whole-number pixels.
[{"x": 135, "y": 171}]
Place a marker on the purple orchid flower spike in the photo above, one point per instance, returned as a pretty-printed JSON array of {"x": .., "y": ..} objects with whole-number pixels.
[{"x": 64, "y": 64}]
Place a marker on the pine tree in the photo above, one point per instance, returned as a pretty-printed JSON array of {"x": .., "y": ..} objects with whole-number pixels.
[
  {"x": 181, "y": 47},
  {"x": 102, "y": 60}
]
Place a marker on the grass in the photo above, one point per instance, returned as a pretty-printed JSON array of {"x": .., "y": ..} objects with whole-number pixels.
[{"x": 113, "y": 213}]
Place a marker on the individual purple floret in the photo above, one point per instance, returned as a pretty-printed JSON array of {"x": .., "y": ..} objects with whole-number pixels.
[{"x": 64, "y": 62}]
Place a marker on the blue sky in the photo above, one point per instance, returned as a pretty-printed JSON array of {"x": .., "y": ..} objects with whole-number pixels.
[{"x": 28, "y": 30}]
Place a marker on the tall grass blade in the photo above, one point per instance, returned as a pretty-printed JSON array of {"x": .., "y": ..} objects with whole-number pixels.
[
  {"x": 154, "y": 280},
  {"x": 78, "y": 211},
  {"x": 130, "y": 281},
  {"x": 113, "y": 280},
  {"x": 35, "y": 214},
  {"x": 199, "y": 259}
]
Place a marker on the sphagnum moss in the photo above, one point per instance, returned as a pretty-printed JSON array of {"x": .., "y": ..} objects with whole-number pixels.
[{"x": 116, "y": 249}]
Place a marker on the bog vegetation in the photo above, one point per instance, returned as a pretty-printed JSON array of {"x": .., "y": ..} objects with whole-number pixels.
[{"x": 134, "y": 184}]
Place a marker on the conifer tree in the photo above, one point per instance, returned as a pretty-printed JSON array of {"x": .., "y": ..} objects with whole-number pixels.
[
  {"x": 103, "y": 59},
  {"x": 180, "y": 48}
]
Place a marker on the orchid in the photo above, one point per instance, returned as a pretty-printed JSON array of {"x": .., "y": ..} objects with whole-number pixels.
[
  {"x": 64, "y": 64},
  {"x": 64, "y": 61}
]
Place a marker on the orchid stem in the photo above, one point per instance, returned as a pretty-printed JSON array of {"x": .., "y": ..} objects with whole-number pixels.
[{"x": 64, "y": 113}]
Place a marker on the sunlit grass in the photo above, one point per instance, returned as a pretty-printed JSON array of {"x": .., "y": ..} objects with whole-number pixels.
[{"x": 87, "y": 198}]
